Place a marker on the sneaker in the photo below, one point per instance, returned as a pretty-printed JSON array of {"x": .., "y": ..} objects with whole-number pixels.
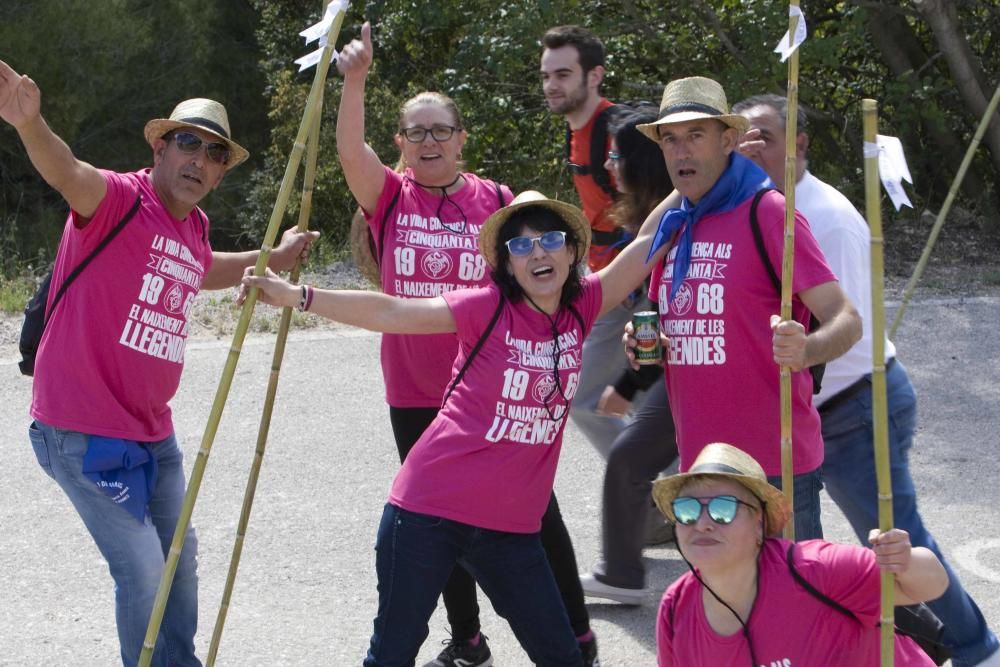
[
  {"x": 589, "y": 651},
  {"x": 596, "y": 588},
  {"x": 463, "y": 654}
]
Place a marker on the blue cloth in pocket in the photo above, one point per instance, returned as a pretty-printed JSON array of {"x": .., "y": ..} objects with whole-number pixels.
[{"x": 124, "y": 470}]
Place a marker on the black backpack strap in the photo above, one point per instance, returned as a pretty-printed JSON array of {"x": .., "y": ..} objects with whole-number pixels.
[
  {"x": 812, "y": 589},
  {"x": 818, "y": 370},
  {"x": 500, "y": 199},
  {"x": 758, "y": 239},
  {"x": 377, "y": 252},
  {"x": 204, "y": 225},
  {"x": 599, "y": 150},
  {"x": 93, "y": 253},
  {"x": 475, "y": 349}
]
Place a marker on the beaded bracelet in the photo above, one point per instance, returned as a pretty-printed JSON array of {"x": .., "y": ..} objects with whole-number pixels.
[{"x": 305, "y": 301}]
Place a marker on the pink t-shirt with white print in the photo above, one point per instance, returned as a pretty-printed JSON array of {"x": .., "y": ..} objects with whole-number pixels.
[
  {"x": 721, "y": 377},
  {"x": 489, "y": 458},
  {"x": 430, "y": 245},
  {"x": 789, "y": 627},
  {"x": 112, "y": 353}
]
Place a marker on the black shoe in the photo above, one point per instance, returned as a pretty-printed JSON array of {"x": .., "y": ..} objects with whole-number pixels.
[
  {"x": 463, "y": 654},
  {"x": 589, "y": 651}
]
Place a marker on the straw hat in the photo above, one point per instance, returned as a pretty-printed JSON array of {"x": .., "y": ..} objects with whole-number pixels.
[
  {"x": 203, "y": 114},
  {"x": 570, "y": 214},
  {"x": 726, "y": 462},
  {"x": 690, "y": 99}
]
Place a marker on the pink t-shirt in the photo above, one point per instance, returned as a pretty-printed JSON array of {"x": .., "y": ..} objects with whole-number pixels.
[
  {"x": 424, "y": 257},
  {"x": 489, "y": 458},
  {"x": 112, "y": 353},
  {"x": 789, "y": 627},
  {"x": 720, "y": 373}
]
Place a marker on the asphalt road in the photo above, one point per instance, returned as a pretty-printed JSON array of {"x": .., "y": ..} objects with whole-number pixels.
[{"x": 306, "y": 588}]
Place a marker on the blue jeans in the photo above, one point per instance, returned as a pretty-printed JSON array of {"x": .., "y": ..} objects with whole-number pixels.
[
  {"x": 415, "y": 554},
  {"x": 806, "y": 486},
  {"x": 135, "y": 551},
  {"x": 849, "y": 476}
]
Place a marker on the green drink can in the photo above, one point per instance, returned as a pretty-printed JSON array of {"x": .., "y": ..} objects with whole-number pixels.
[{"x": 647, "y": 335}]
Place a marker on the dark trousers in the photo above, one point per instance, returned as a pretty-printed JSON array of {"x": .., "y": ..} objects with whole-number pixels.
[{"x": 460, "y": 600}]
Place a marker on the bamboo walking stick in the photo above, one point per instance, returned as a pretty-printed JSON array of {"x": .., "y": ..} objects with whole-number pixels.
[
  {"x": 787, "y": 268},
  {"x": 873, "y": 209},
  {"x": 945, "y": 208},
  {"x": 272, "y": 389},
  {"x": 225, "y": 382}
]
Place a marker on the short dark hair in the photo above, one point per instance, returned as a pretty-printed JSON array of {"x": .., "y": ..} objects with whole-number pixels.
[
  {"x": 642, "y": 168},
  {"x": 539, "y": 219},
  {"x": 779, "y": 104},
  {"x": 587, "y": 45}
]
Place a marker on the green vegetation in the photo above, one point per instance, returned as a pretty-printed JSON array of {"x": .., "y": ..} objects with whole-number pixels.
[{"x": 124, "y": 61}]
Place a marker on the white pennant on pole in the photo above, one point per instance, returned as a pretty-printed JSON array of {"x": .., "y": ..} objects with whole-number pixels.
[
  {"x": 892, "y": 167},
  {"x": 318, "y": 31},
  {"x": 786, "y": 46}
]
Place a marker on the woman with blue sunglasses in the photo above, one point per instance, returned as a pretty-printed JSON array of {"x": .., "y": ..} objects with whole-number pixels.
[
  {"x": 475, "y": 486},
  {"x": 747, "y": 598}
]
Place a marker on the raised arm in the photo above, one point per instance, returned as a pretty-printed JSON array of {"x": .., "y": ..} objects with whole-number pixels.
[
  {"x": 374, "y": 311},
  {"x": 919, "y": 574},
  {"x": 840, "y": 328},
  {"x": 630, "y": 268},
  {"x": 80, "y": 183},
  {"x": 362, "y": 167}
]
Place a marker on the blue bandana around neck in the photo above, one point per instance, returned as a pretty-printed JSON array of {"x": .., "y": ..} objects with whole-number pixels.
[{"x": 741, "y": 179}]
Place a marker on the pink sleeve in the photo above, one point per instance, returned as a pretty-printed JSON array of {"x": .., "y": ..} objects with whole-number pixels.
[
  {"x": 846, "y": 573},
  {"x": 472, "y": 309},
  {"x": 665, "y": 632},
  {"x": 390, "y": 189},
  {"x": 810, "y": 267},
  {"x": 121, "y": 193}
]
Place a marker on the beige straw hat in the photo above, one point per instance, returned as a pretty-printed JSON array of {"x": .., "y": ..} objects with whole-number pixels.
[
  {"x": 690, "y": 99},
  {"x": 727, "y": 462},
  {"x": 570, "y": 214},
  {"x": 206, "y": 115}
]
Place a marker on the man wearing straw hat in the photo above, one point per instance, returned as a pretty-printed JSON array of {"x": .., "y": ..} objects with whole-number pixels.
[
  {"x": 112, "y": 352},
  {"x": 845, "y": 400},
  {"x": 717, "y": 304}
]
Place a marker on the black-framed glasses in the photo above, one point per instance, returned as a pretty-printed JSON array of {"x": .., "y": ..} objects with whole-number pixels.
[
  {"x": 417, "y": 134},
  {"x": 614, "y": 156},
  {"x": 189, "y": 143},
  {"x": 721, "y": 509},
  {"x": 520, "y": 246}
]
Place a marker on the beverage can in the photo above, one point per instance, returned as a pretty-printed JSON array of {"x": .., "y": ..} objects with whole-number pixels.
[{"x": 647, "y": 335}]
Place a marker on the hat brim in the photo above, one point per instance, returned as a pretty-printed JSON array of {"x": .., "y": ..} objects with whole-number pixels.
[
  {"x": 156, "y": 128},
  {"x": 776, "y": 504},
  {"x": 652, "y": 130},
  {"x": 571, "y": 215}
]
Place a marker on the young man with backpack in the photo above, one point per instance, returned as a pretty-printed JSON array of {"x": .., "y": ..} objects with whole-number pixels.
[
  {"x": 111, "y": 355},
  {"x": 572, "y": 68}
]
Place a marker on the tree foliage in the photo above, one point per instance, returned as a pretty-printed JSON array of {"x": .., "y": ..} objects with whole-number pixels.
[{"x": 125, "y": 61}]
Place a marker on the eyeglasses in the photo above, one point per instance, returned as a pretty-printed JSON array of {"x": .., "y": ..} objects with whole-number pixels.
[
  {"x": 614, "y": 156},
  {"x": 520, "y": 246},
  {"x": 416, "y": 134},
  {"x": 721, "y": 509},
  {"x": 189, "y": 143}
]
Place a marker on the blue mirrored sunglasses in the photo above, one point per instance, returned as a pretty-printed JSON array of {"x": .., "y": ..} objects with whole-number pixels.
[
  {"x": 520, "y": 246},
  {"x": 721, "y": 509},
  {"x": 614, "y": 156}
]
